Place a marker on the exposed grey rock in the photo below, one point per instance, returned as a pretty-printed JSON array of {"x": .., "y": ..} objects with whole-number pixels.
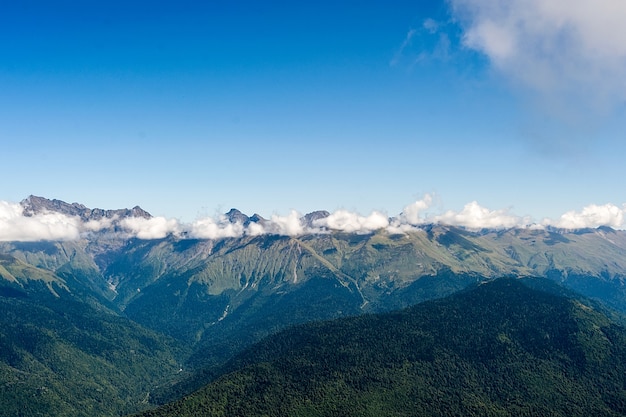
[
  {"x": 34, "y": 205},
  {"x": 236, "y": 216},
  {"x": 309, "y": 219},
  {"x": 257, "y": 218}
]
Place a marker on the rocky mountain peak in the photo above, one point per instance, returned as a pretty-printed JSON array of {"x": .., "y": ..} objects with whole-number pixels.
[
  {"x": 236, "y": 216},
  {"x": 34, "y": 205},
  {"x": 309, "y": 219},
  {"x": 257, "y": 218}
]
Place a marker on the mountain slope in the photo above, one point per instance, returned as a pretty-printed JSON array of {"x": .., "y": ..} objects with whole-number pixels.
[
  {"x": 500, "y": 348},
  {"x": 19, "y": 275},
  {"x": 60, "y": 356},
  {"x": 251, "y": 286}
]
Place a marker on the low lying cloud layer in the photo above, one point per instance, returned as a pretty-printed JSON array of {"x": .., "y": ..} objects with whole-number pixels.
[
  {"x": 591, "y": 216},
  {"x": 558, "y": 47},
  {"x": 349, "y": 222},
  {"x": 473, "y": 216},
  {"x": 153, "y": 228},
  {"x": 15, "y": 226}
]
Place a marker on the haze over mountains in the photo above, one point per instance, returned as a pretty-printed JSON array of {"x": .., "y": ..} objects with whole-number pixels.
[{"x": 200, "y": 301}]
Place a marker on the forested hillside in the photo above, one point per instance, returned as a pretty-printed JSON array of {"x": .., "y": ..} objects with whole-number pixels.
[
  {"x": 60, "y": 356},
  {"x": 498, "y": 349}
]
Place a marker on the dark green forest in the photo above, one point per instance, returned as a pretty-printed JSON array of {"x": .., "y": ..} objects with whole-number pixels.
[
  {"x": 62, "y": 357},
  {"x": 497, "y": 349}
]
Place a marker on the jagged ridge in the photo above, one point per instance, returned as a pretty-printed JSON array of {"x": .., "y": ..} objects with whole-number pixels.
[{"x": 34, "y": 205}]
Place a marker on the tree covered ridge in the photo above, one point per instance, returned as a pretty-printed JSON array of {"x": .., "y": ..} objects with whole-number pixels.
[
  {"x": 62, "y": 357},
  {"x": 499, "y": 348}
]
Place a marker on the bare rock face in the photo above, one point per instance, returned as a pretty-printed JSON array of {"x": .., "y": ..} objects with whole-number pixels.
[
  {"x": 34, "y": 205},
  {"x": 236, "y": 216},
  {"x": 310, "y": 218},
  {"x": 257, "y": 218}
]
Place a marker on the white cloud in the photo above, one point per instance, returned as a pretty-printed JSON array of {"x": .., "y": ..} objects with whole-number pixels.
[
  {"x": 14, "y": 226},
  {"x": 209, "y": 228},
  {"x": 97, "y": 225},
  {"x": 591, "y": 216},
  {"x": 255, "y": 229},
  {"x": 411, "y": 213},
  {"x": 474, "y": 216},
  {"x": 555, "y": 47},
  {"x": 152, "y": 228},
  {"x": 285, "y": 225},
  {"x": 346, "y": 221}
]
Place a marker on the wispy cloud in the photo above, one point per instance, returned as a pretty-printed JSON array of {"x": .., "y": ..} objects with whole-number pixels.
[
  {"x": 428, "y": 41},
  {"x": 406, "y": 43},
  {"x": 561, "y": 49}
]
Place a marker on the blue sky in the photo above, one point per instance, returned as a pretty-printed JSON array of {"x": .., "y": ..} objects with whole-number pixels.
[{"x": 189, "y": 109}]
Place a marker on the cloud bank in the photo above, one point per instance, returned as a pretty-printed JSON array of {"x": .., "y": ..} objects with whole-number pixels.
[
  {"x": 153, "y": 228},
  {"x": 473, "y": 216},
  {"x": 590, "y": 217},
  {"x": 53, "y": 226},
  {"x": 14, "y": 226},
  {"x": 559, "y": 48},
  {"x": 346, "y": 221},
  {"x": 209, "y": 228}
]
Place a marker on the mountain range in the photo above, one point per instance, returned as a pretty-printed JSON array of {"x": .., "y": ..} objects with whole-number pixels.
[
  {"x": 206, "y": 300},
  {"x": 34, "y": 205}
]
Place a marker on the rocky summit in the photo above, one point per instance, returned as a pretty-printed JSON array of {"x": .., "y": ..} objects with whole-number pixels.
[{"x": 34, "y": 205}]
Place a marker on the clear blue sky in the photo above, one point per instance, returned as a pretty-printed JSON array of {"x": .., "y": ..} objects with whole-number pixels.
[{"x": 186, "y": 108}]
